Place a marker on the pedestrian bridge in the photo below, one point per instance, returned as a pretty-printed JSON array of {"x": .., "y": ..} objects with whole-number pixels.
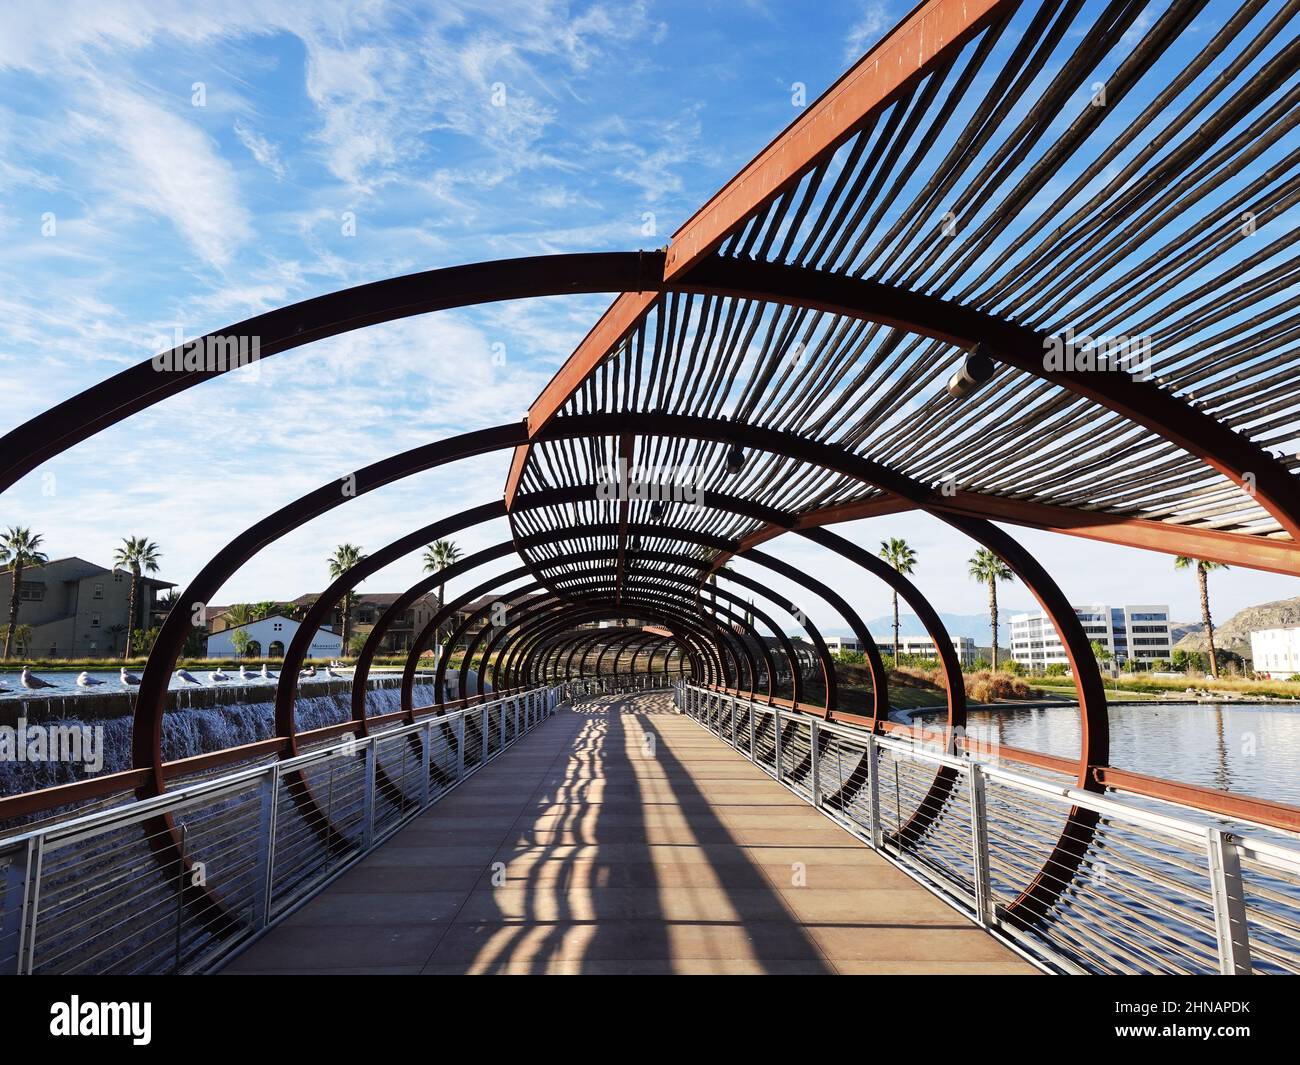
[
  {"x": 608, "y": 825},
  {"x": 1025, "y": 264},
  {"x": 622, "y": 837}
]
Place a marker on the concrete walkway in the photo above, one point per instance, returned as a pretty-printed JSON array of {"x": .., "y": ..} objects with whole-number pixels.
[{"x": 623, "y": 838}]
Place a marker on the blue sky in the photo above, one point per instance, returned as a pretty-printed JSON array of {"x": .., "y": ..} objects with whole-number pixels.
[{"x": 165, "y": 166}]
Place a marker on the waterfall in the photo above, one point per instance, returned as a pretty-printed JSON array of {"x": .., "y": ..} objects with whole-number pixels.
[{"x": 245, "y": 714}]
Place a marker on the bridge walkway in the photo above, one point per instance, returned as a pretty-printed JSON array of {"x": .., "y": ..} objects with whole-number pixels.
[{"x": 620, "y": 837}]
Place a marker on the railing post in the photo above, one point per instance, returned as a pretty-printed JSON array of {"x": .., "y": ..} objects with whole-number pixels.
[
  {"x": 426, "y": 743},
  {"x": 460, "y": 746},
  {"x": 485, "y": 733},
  {"x": 873, "y": 793},
  {"x": 753, "y": 731},
  {"x": 368, "y": 801},
  {"x": 1228, "y": 890},
  {"x": 267, "y": 816},
  {"x": 814, "y": 739},
  {"x": 501, "y": 729},
  {"x": 15, "y": 891},
  {"x": 732, "y": 733},
  {"x": 776, "y": 740},
  {"x": 979, "y": 827}
]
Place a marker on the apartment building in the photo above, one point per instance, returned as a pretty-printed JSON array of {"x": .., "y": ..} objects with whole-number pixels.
[
  {"x": 77, "y": 609},
  {"x": 1275, "y": 653},
  {"x": 1134, "y": 635}
]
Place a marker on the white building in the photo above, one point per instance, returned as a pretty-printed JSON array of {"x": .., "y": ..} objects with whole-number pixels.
[
  {"x": 270, "y": 636},
  {"x": 1276, "y": 653},
  {"x": 1135, "y": 635},
  {"x": 837, "y": 644},
  {"x": 923, "y": 647}
]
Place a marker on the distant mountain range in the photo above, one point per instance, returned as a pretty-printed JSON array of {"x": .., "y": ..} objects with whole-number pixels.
[{"x": 976, "y": 626}]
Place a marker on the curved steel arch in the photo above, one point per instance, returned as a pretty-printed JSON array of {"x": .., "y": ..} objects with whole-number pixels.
[{"x": 1146, "y": 404}]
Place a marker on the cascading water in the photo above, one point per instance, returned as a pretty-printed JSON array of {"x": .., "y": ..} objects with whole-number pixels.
[{"x": 245, "y": 714}]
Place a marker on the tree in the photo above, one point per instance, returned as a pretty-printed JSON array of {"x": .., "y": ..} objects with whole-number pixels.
[
  {"x": 1203, "y": 568},
  {"x": 19, "y": 548},
  {"x": 265, "y": 609},
  {"x": 902, "y": 558},
  {"x": 23, "y": 639},
  {"x": 345, "y": 557},
  {"x": 1101, "y": 652},
  {"x": 987, "y": 568},
  {"x": 437, "y": 557},
  {"x": 241, "y": 641},
  {"x": 240, "y": 614},
  {"x": 115, "y": 631},
  {"x": 139, "y": 555}
]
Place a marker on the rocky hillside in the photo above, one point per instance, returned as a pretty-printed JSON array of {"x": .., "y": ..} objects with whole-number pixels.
[{"x": 1234, "y": 634}]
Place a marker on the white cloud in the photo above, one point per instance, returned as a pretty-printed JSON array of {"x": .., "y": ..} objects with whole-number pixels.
[
  {"x": 263, "y": 151},
  {"x": 168, "y": 166},
  {"x": 870, "y": 26}
]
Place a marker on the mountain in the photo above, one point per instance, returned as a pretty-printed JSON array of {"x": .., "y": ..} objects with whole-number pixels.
[
  {"x": 1234, "y": 634},
  {"x": 976, "y": 626}
]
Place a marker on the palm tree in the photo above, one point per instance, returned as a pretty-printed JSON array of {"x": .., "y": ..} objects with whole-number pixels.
[
  {"x": 139, "y": 555},
  {"x": 345, "y": 557},
  {"x": 19, "y": 547},
  {"x": 1202, "y": 568},
  {"x": 902, "y": 558},
  {"x": 115, "y": 631},
  {"x": 987, "y": 568},
  {"x": 265, "y": 608},
  {"x": 240, "y": 614},
  {"x": 437, "y": 557}
]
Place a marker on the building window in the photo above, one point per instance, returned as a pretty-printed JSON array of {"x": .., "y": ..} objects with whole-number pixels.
[
  {"x": 99, "y": 591},
  {"x": 31, "y": 591},
  {"x": 94, "y": 621}
]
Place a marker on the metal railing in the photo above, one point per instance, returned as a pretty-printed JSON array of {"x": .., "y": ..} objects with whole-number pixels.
[
  {"x": 1156, "y": 891},
  {"x": 239, "y": 851},
  {"x": 619, "y": 684}
]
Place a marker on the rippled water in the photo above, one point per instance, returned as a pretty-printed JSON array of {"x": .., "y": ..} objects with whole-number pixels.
[{"x": 1251, "y": 749}]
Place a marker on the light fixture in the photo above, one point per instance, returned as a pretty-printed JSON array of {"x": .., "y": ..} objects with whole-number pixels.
[
  {"x": 735, "y": 459},
  {"x": 977, "y": 369}
]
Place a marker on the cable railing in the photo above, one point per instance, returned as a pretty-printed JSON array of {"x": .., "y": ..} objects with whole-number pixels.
[
  {"x": 1154, "y": 891},
  {"x": 179, "y": 882},
  {"x": 618, "y": 684}
]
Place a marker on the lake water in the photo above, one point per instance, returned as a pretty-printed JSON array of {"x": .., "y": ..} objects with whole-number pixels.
[{"x": 1248, "y": 748}]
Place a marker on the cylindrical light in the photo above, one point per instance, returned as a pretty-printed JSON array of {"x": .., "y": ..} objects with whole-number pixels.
[
  {"x": 735, "y": 459},
  {"x": 976, "y": 370}
]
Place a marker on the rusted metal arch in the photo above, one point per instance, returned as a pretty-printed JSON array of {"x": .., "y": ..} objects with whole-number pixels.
[
  {"x": 545, "y": 610},
  {"x": 683, "y": 609},
  {"x": 736, "y": 504},
  {"x": 110, "y": 401},
  {"x": 1065, "y": 859},
  {"x": 482, "y": 589},
  {"x": 778, "y": 633},
  {"x": 147, "y": 741},
  {"x": 387, "y": 470},
  {"x": 135, "y": 389},
  {"x": 1142, "y": 402},
  {"x": 635, "y": 649},
  {"x": 733, "y": 504},
  {"x": 693, "y": 635},
  {"x": 1199, "y": 433}
]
